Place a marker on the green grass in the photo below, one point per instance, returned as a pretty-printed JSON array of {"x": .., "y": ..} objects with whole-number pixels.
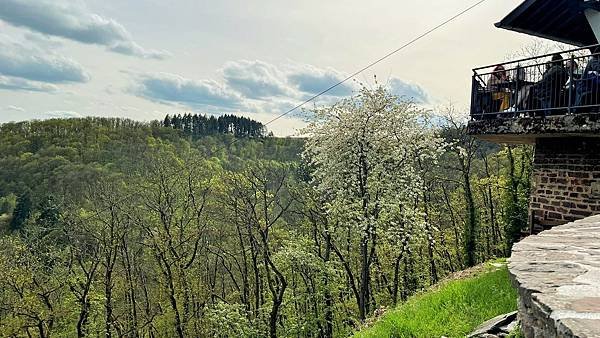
[
  {"x": 454, "y": 309},
  {"x": 516, "y": 333}
]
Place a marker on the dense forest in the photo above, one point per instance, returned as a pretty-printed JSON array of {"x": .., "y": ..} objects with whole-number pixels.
[
  {"x": 202, "y": 125},
  {"x": 117, "y": 228}
]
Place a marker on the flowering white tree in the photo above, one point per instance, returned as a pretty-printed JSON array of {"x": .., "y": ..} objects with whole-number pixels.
[{"x": 364, "y": 152}]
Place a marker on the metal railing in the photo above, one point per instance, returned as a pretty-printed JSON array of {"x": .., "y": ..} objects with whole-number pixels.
[{"x": 553, "y": 84}]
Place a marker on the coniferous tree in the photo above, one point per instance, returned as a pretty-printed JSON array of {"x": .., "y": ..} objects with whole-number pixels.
[
  {"x": 187, "y": 124},
  {"x": 177, "y": 121},
  {"x": 196, "y": 125},
  {"x": 22, "y": 211},
  {"x": 200, "y": 125},
  {"x": 212, "y": 125}
]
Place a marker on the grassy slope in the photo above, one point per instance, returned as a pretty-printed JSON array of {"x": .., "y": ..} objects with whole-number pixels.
[{"x": 454, "y": 309}]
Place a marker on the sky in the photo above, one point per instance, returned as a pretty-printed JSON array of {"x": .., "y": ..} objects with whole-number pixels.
[{"x": 142, "y": 59}]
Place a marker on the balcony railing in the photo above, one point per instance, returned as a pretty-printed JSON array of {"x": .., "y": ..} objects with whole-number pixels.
[{"x": 554, "y": 84}]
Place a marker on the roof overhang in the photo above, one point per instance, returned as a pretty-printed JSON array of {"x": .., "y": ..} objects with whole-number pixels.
[{"x": 559, "y": 20}]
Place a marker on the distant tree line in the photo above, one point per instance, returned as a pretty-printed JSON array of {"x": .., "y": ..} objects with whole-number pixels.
[{"x": 201, "y": 125}]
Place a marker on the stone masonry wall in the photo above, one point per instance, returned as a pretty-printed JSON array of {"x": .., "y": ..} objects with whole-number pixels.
[
  {"x": 567, "y": 180},
  {"x": 557, "y": 274},
  {"x": 528, "y": 129}
]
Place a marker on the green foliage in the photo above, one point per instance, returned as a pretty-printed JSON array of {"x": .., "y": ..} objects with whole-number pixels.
[
  {"x": 229, "y": 320},
  {"x": 516, "y": 333},
  {"x": 201, "y": 125},
  {"x": 31, "y": 287},
  {"x": 454, "y": 309},
  {"x": 21, "y": 212},
  {"x": 49, "y": 213},
  {"x": 516, "y": 197},
  {"x": 7, "y": 204},
  {"x": 366, "y": 153},
  {"x": 136, "y": 229}
]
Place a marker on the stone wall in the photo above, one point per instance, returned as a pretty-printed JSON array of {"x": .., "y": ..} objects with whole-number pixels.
[
  {"x": 557, "y": 274},
  {"x": 567, "y": 180},
  {"x": 528, "y": 129}
]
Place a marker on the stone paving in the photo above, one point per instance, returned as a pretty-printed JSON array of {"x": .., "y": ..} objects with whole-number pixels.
[{"x": 557, "y": 274}]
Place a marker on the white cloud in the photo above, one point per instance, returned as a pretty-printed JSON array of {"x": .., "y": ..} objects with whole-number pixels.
[
  {"x": 71, "y": 20},
  {"x": 41, "y": 40},
  {"x": 132, "y": 48},
  {"x": 31, "y": 63},
  {"x": 409, "y": 91},
  {"x": 259, "y": 79},
  {"x": 171, "y": 88},
  {"x": 11, "y": 83},
  {"x": 273, "y": 107},
  {"x": 15, "y": 108},
  {"x": 260, "y": 87},
  {"x": 256, "y": 79},
  {"x": 60, "y": 114},
  {"x": 313, "y": 80},
  {"x": 129, "y": 108}
]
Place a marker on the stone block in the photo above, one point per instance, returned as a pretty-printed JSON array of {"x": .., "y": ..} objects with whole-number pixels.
[
  {"x": 595, "y": 189},
  {"x": 557, "y": 274}
]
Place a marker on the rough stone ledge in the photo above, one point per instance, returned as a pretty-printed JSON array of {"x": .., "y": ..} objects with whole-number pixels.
[
  {"x": 527, "y": 129},
  {"x": 557, "y": 274}
]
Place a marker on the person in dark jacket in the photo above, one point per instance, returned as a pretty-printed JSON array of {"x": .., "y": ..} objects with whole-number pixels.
[
  {"x": 549, "y": 89},
  {"x": 594, "y": 62},
  {"x": 588, "y": 88}
]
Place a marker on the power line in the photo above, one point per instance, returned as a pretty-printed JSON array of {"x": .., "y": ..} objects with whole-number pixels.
[{"x": 447, "y": 21}]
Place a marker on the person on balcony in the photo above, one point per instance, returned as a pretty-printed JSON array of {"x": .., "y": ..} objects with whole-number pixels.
[
  {"x": 549, "y": 90},
  {"x": 495, "y": 84},
  {"x": 593, "y": 65},
  {"x": 588, "y": 88},
  {"x": 572, "y": 68}
]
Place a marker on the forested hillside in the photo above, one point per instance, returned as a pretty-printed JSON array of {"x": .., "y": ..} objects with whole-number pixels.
[{"x": 127, "y": 229}]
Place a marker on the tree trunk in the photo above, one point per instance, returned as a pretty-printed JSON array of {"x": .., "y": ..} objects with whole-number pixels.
[
  {"x": 328, "y": 333},
  {"x": 363, "y": 300},
  {"x": 471, "y": 226}
]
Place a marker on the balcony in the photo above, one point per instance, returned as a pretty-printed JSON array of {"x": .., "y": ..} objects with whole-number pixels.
[{"x": 544, "y": 96}]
